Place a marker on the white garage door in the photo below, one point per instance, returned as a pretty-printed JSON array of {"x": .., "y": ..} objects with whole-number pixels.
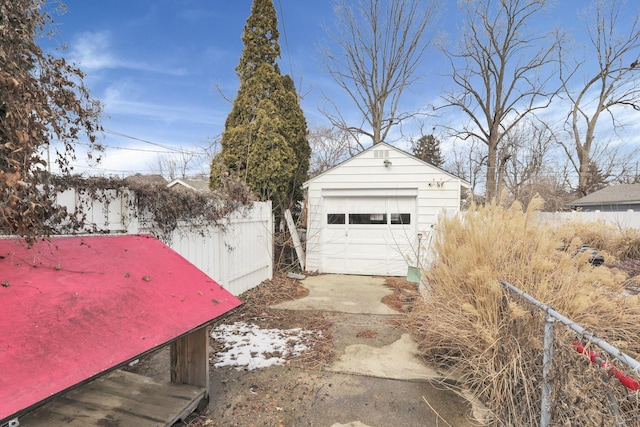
[{"x": 368, "y": 235}]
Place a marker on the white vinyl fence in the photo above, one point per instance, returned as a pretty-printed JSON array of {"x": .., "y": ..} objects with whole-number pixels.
[
  {"x": 630, "y": 219},
  {"x": 238, "y": 255}
]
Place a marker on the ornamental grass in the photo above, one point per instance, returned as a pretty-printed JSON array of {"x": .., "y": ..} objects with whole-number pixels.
[{"x": 490, "y": 340}]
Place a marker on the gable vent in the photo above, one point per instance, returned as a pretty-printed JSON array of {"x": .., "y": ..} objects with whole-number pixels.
[{"x": 381, "y": 154}]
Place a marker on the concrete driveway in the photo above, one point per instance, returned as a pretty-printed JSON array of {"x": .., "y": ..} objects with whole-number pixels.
[
  {"x": 345, "y": 294},
  {"x": 378, "y": 379}
]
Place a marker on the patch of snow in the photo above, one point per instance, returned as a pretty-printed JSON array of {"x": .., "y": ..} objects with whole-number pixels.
[{"x": 248, "y": 346}]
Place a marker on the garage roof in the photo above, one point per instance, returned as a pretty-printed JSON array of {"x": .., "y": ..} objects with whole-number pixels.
[{"x": 463, "y": 182}]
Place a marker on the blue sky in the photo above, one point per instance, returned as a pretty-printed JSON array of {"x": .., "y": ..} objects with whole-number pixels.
[{"x": 159, "y": 66}]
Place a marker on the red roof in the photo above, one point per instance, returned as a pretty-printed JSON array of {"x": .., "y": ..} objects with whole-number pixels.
[{"x": 75, "y": 307}]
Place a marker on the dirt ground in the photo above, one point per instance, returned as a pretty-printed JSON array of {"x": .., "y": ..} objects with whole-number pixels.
[{"x": 301, "y": 392}]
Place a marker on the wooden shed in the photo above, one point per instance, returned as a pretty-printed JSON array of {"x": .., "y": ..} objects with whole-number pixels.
[
  {"x": 370, "y": 214},
  {"x": 75, "y": 309}
]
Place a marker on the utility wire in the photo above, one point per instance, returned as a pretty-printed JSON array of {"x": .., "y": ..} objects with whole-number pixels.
[
  {"x": 103, "y": 170},
  {"x": 134, "y": 149},
  {"x": 166, "y": 147},
  {"x": 286, "y": 40}
]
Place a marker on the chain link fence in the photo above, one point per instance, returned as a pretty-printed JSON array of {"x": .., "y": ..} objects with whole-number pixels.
[{"x": 603, "y": 380}]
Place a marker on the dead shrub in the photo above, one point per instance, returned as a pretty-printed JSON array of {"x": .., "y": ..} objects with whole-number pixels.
[
  {"x": 490, "y": 340},
  {"x": 619, "y": 242}
]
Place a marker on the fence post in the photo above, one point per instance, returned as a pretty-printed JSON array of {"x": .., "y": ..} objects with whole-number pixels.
[
  {"x": 547, "y": 355},
  {"x": 613, "y": 351},
  {"x": 551, "y": 317}
]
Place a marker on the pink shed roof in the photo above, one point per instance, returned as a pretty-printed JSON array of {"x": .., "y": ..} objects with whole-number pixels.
[{"x": 75, "y": 307}]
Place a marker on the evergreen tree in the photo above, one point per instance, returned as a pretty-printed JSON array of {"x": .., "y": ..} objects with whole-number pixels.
[
  {"x": 295, "y": 131},
  {"x": 265, "y": 138},
  {"x": 427, "y": 148}
]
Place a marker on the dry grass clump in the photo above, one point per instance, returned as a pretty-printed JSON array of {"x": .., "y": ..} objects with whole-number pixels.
[
  {"x": 491, "y": 340},
  {"x": 620, "y": 242}
]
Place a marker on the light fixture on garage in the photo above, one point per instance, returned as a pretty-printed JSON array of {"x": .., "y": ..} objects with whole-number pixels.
[
  {"x": 387, "y": 163},
  {"x": 434, "y": 183}
]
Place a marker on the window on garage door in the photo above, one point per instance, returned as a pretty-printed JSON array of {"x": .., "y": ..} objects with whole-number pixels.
[
  {"x": 335, "y": 218},
  {"x": 400, "y": 218},
  {"x": 369, "y": 218}
]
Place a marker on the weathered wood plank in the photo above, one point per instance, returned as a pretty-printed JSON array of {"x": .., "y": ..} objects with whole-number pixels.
[
  {"x": 190, "y": 359},
  {"x": 119, "y": 399}
]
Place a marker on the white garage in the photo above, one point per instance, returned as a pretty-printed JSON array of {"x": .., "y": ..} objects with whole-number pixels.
[{"x": 368, "y": 214}]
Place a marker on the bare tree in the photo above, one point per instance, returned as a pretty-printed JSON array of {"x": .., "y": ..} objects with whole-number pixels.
[
  {"x": 609, "y": 162},
  {"x": 551, "y": 185},
  {"x": 329, "y": 147},
  {"x": 631, "y": 175},
  {"x": 500, "y": 73},
  {"x": 529, "y": 166},
  {"x": 523, "y": 157},
  {"x": 611, "y": 81},
  {"x": 173, "y": 165},
  {"x": 467, "y": 162},
  {"x": 381, "y": 46},
  {"x": 164, "y": 165}
]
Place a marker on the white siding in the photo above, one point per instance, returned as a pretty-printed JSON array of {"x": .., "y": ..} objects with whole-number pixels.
[{"x": 367, "y": 175}]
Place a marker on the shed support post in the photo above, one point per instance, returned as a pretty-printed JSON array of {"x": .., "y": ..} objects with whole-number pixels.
[
  {"x": 547, "y": 355},
  {"x": 190, "y": 359}
]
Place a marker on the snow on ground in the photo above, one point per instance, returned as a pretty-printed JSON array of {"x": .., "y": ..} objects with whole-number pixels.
[{"x": 249, "y": 346}]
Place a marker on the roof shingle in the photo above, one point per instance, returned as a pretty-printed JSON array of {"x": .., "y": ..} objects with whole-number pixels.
[{"x": 615, "y": 194}]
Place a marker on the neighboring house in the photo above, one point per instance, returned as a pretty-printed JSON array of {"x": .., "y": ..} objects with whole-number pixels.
[
  {"x": 370, "y": 214},
  {"x": 192, "y": 184},
  {"x": 616, "y": 198}
]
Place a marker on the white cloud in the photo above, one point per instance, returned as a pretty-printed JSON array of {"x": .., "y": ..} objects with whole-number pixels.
[
  {"x": 117, "y": 105},
  {"x": 123, "y": 157},
  {"x": 94, "y": 51},
  {"x": 91, "y": 50}
]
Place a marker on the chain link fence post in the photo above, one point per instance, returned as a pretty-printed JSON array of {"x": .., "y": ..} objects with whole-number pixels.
[{"x": 547, "y": 356}]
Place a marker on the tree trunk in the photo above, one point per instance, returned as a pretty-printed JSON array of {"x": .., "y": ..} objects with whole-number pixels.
[
  {"x": 491, "y": 171},
  {"x": 583, "y": 172}
]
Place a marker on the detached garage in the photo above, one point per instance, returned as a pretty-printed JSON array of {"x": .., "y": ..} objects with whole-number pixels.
[{"x": 366, "y": 215}]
